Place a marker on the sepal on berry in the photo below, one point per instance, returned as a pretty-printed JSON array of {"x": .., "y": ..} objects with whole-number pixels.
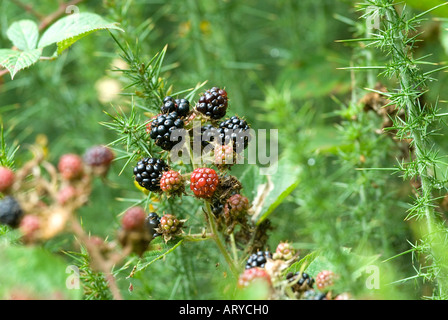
[{"x": 170, "y": 227}]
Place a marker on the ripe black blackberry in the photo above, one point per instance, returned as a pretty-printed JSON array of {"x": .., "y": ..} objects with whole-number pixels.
[
  {"x": 153, "y": 222},
  {"x": 10, "y": 212},
  {"x": 209, "y": 134},
  {"x": 301, "y": 285},
  {"x": 234, "y": 130},
  {"x": 258, "y": 259},
  {"x": 181, "y": 106},
  {"x": 162, "y": 128},
  {"x": 148, "y": 173},
  {"x": 217, "y": 207},
  {"x": 314, "y": 295},
  {"x": 213, "y": 103}
]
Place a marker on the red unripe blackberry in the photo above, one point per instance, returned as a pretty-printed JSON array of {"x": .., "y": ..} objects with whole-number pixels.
[
  {"x": 224, "y": 155},
  {"x": 133, "y": 218},
  {"x": 249, "y": 276},
  {"x": 203, "y": 182},
  {"x": 70, "y": 166},
  {"x": 162, "y": 129},
  {"x": 7, "y": 178},
  {"x": 172, "y": 182},
  {"x": 258, "y": 260},
  {"x": 67, "y": 194},
  {"x": 148, "y": 173},
  {"x": 213, "y": 103},
  {"x": 97, "y": 156},
  {"x": 29, "y": 225},
  {"x": 10, "y": 212},
  {"x": 325, "y": 279},
  {"x": 236, "y": 206}
]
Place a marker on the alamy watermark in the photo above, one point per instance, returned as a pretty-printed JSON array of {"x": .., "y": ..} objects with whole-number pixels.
[
  {"x": 372, "y": 18},
  {"x": 249, "y": 147}
]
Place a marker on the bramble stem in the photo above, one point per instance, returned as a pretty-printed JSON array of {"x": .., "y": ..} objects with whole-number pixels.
[{"x": 218, "y": 240}]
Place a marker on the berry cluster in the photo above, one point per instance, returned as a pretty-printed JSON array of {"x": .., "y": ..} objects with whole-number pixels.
[
  {"x": 272, "y": 270},
  {"x": 39, "y": 203}
]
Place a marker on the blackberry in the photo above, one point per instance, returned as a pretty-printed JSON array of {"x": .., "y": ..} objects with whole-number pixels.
[
  {"x": 217, "y": 207},
  {"x": 98, "y": 155},
  {"x": 148, "y": 173},
  {"x": 152, "y": 222},
  {"x": 249, "y": 276},
  {"x": 213, "y": 103},
  {"x": 181, "y": 106},
  {"x": 325, "y": 279},
  {"x": 208, "y": 134},
  {"x": 10, "y": 212},
  {"x": 170, "y": 226},
  {"x": 162, "y": 128},
  {"x": 301, "y": 285},
  {"x": 133, "y": 219},
  {"x": 203, "y": 182},
  {"x": 7, "y": 178},
  {"x": 314, "y": 295},
  {"x": 234, "y": 130},
  {"x": 70, "y": 166},
  {"x": 258, "y": 259},
  {"x": 236, "y": 206}
]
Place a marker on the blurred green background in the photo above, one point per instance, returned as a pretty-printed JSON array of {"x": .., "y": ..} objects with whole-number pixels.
[{"x": 278, "y": 61}]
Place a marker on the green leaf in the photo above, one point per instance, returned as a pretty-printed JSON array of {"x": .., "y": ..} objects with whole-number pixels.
[
  {"x": 15, "y": 61},
  {"x": 23, "y": 34},
  {"x": 36, "y": 272},
  {"x": 278, "y": 186},
  {"x": 70, "y": 29},
  {"x": 303, "y": 263}
]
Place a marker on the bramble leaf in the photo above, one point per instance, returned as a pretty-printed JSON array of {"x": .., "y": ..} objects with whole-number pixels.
[
  {"x": 23, "y": 34},
  {"x": 70, "y": 29},
  {"x": 272, "y": 193},
  {"x": 15, "y": 61}
]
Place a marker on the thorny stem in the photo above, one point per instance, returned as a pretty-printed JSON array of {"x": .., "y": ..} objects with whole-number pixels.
[{"x": 413, "y": 112}]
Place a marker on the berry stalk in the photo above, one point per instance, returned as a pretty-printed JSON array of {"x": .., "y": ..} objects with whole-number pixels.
[{"x": 217, "y": 239}]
